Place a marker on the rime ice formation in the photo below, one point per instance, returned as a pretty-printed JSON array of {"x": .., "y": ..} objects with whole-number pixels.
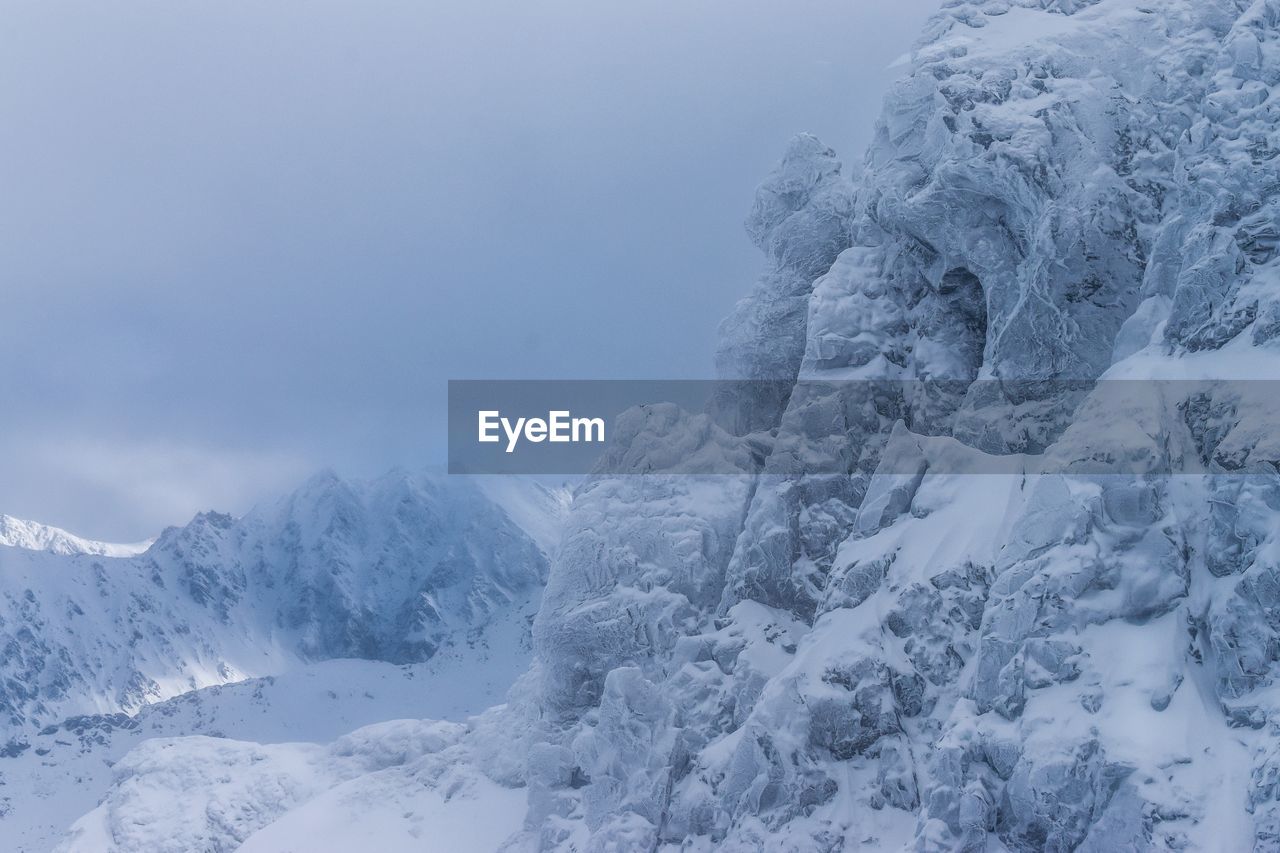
[
  {"x": 935, "y": 661},
  {"x": 801, "y": 221},
  {"x": 847, "y": 645}
]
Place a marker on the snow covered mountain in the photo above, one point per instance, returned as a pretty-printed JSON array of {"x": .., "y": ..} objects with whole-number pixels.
[
  {"x": 388, "y": 570},
  {"x": 41, "y": 537},
  {"x": 850, "y": 643},
  {"x": 336, "y": 606}
]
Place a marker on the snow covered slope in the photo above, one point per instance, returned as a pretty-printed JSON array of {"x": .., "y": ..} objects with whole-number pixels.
[
  {"x": 41, "y": 537},
  {"x": 537, "y": 509},
  {"x": 60, "y": 773},
  {"x": 404, "y": 785}
]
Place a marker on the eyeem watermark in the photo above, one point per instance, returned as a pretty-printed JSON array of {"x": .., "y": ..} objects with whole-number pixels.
[
  {"x": 859, "y": 427},
  {"x": 548, "y": 426},
  {"x": 559, "y": 427}
]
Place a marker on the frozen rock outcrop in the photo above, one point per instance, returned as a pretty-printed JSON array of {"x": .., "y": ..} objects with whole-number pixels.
[
  {"x": 1075, "y": 653},
  {"x": 801, "y": 221}
]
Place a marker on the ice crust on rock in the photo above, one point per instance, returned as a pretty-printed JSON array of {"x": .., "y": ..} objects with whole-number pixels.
[
  {"x": 1057, "y": 191},
  {"x": 801, "y": 221}
]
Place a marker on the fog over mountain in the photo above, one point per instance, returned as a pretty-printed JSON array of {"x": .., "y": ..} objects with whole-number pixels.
[{"x": 246, "y": 241}]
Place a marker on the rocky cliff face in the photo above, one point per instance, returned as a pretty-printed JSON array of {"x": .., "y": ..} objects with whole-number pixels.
[{"x": 851, "y": 644}]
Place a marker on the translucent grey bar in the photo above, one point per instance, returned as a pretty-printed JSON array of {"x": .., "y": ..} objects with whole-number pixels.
[{"x": 863, "y": 427}]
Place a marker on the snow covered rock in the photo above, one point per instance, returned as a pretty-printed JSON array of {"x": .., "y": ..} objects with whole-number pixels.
[
  {"x": 801, "y": 221},
  {"x": 34, "y": 536},
  {"x": 1077, "y": 653}
]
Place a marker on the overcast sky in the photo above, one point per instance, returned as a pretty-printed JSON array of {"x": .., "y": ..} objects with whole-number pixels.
[{"x": 241, "y": 241}]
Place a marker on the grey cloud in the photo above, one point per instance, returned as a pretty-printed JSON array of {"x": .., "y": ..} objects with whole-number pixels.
[{"x": 279, "y": 228}]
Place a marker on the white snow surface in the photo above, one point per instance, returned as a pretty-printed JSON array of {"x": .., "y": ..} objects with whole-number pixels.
[{"x": 34, "y": 536}]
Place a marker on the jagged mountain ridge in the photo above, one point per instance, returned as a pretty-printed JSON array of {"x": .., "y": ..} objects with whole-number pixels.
[
  {"x": 34, "y": 536},
  {"x": 389, "y": 569}
]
